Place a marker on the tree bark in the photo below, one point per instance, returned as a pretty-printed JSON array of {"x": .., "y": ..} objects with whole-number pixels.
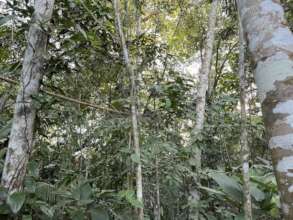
[
  {"x": 158, "y": 202},
  {"x": 21, "y": 137},
  {"x": 201, "y": 103},
  {"x": 134, "y": 119},
  {"x": 271, "y": 44},
  {"x": 243, "y": 136},
  {"x": 205, "y": 69}
]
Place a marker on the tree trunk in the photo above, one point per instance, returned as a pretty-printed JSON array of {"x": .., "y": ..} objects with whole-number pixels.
[
  {"x": 201, "y": 103},
  {"x": 243, "y": 136},
  {"x": 21, "y": 137},
  {"x": 271, "y": 44},
  {"x": 205, "y": 69},
  {"x": 158, "y": 202},
  {"x": 134, "y": 119}
]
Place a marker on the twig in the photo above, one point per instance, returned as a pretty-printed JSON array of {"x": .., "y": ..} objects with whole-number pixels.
[{"x": 70, "y": 99}]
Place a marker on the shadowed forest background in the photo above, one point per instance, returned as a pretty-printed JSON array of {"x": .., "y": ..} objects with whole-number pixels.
[{"x": 114, "y": 130}]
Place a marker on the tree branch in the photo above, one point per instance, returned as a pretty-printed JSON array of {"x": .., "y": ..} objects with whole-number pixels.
[{"x": 70, "y": 99}]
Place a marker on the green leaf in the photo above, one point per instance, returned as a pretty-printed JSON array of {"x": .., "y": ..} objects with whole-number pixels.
[
  {"x": 82, "y": 192},
  {"x": 5, "y": 130},
  {"x": 135, "y": 203},
  {"x": 135, "y": 158},
  {"x": 45, "y": 192},
  {"x": 16, "y": 201},
  {"x": 129, "y": 196},
  {"x": 168, "y": 103},
  {"x": 30, "y": 184},
  {"x": 240, "y": 217},
  {"x": 33, "y": 169},
  {"x": 27, "y": 217},
  {"x": 256, "y": 193},
  {"x": 85, "y": 202},
  {"x": 4, "y": 209},
  {"x": 99, "y": 214},
  {"x": 48, "y": 211},
  {"x": 212, "y": 191},
  {"x": 229, "y": 185},
  {"x": 78, "y": 215},
  {"x": 3, "y": 152}
]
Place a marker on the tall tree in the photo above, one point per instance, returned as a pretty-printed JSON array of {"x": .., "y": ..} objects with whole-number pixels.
[
  {"x": 243, "y": 136},
  {"x": 21, "y": 137},
  {"x": 271, "y": 44},
  {"x": 201, "y": 97},
  {"x": 134, "y": 119}
]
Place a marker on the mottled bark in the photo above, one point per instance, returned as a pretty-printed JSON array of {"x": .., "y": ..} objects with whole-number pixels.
[
  {"x": 134, "y": 118},
  {"x": 205, "y": 69},
  {"x": 243, "y": 136},
  {"x": 201, "y": 102},
  {"x": 21, "y": 137},
  {"x": 271, "y": 44}
]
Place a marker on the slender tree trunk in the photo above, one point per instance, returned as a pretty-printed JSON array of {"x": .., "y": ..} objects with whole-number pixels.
[
  {"x": 201, "y": 103},
  {"x": 205, "y": 69},
  {"x": 243, "y": 137},
  {"x": 271, "y": 44},
  {"x": 139, "y": 187},
  {"x": 130, "y": 172},
  {"x": 158, "y": 202},
  {"x": 21, "y": 137}
]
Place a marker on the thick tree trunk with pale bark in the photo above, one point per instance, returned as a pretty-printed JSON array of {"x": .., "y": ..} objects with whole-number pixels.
[
  {"x": 139, "y": 187},
  {"x": 271, "y": 44},
  {"x": 21, "y": 137},
  {"x": 243, "y": 136},
  {"x": 201, "y": 103}
]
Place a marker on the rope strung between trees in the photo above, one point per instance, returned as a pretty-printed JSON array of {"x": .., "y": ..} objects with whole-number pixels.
[{"x": 70, "y": 99}]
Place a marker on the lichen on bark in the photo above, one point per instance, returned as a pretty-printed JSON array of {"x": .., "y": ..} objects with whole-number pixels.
[
  {"x": 21, "y": 135},
  {"x": 271, "y": 45}
]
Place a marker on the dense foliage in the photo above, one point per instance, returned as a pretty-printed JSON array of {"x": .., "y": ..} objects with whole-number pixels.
[{"x": 82, "y": 165}]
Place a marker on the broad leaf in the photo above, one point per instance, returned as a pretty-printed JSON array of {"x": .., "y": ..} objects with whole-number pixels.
[
  {"x": 212, "y": 191},
  {"x": 99, "y": 214},
  {"x": 15, "y": 201},
  {"x": 129, "y": 196},
  {"x": 256, "y": 193},
  {"x": 229, "y": 185},
  {"x": 82, "y": 192},
  {"x": 48, "y": 211}
]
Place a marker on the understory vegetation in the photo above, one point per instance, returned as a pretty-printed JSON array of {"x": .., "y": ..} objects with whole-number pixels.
[{"x": 83, "y": 164}]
